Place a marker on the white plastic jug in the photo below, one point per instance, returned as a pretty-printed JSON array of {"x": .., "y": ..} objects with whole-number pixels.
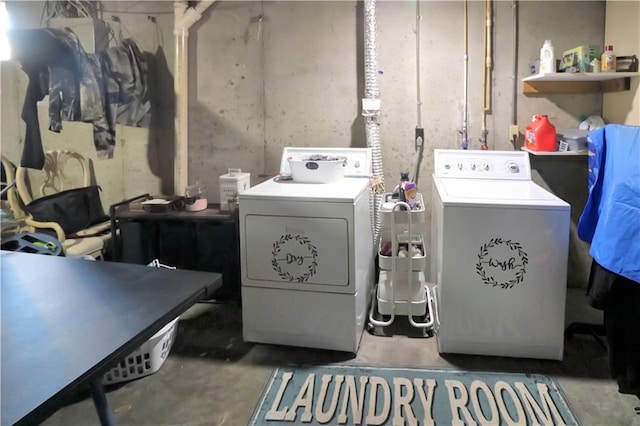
[{"x": 547, "y": 58}]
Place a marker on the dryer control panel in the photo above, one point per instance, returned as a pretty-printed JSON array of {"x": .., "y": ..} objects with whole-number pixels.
[{"x": 470, "y": 164}]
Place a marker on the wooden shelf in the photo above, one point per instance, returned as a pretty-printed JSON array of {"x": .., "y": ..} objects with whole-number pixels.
[
  {"x": 577, "y": 82},
  {"x": 556, "y": 153}
]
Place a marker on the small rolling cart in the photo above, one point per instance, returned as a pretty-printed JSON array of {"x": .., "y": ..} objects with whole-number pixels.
[{"x": 401, "y": 289}]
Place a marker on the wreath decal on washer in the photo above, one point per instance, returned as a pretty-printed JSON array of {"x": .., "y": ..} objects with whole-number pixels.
[
  {"x": 505, "y": 264},
  {"x": 286, "y": 252}
]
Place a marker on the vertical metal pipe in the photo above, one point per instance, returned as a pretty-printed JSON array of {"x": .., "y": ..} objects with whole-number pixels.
[
  {"x": 419, "y": 133},
  {"x": 464, "y": 143},
  {"x": 483, "y": 125},
  {"x": 486, "y": 71},
  {"x": 514, "y": 73},
  {"x": 489, "y": 56},
  {"x": 418, "y": 97}
]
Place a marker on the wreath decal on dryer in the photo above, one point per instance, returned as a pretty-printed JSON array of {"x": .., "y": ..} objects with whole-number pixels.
[
  {"x": 520, "y": 268},
  {"x": 293, "y": 258}
]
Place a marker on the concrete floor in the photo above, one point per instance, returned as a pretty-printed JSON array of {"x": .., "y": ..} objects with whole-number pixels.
[{"x": 213, "y": 378}]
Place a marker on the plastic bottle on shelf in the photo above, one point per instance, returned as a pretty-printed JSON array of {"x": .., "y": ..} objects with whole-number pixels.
[
  {"x": 547, "y": 58},
  {"x": 540, "y": 134},
  {"x": 529, "y": 132},
  {"x": 608, "y": 60},
  {"x": 404, "y": 177},
  {"x": 411, "y": 194}
]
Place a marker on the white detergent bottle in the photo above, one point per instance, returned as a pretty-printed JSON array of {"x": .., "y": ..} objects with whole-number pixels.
[{"x": 547, "y": 58}]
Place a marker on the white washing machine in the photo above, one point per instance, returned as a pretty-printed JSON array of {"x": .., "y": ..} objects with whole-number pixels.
[
  {"x": 307, "y": 256},
  {"x": 499, "y": 256}
]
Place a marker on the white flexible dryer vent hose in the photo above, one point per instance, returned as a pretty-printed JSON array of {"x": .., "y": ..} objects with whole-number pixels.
[{"x": 372, "y": 124}]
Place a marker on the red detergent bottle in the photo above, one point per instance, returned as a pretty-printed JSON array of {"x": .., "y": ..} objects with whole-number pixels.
[{"x": 540, "y": 134}]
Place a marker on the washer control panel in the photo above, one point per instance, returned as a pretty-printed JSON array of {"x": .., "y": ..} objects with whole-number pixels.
[{"x": 471, "y": 164}]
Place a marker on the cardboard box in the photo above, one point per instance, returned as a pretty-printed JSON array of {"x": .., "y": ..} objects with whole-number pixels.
[
  {"x": 578, "y": 58},
  {"x": 534, "y": 67}
]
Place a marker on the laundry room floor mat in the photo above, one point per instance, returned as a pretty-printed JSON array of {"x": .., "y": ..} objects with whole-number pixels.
[{"x": 370, "y": 395}]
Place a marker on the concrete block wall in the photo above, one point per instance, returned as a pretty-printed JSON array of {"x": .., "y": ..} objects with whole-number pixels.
[
  {"x": 622, "y": 30},
  {"x": 264, "y": 75}
]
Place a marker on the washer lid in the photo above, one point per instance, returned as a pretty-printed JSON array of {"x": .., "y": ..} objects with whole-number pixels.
[
  {"x": 345, "y": 190},
  {"x": 496, "y": 192}
]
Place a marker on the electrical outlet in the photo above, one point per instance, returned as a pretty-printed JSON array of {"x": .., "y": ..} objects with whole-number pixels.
[{"x": 513, "y": 132}]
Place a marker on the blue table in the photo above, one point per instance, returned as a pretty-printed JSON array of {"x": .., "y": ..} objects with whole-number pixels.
[{"x": 66, "y": 321}]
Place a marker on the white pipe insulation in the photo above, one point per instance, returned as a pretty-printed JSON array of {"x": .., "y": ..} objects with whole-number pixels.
[
  {"x": 184, "y": 18},
  {"x": 372, "y": 124}
]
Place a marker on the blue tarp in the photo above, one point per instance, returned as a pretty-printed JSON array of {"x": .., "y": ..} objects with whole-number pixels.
[{"x": 611, "y": 218}]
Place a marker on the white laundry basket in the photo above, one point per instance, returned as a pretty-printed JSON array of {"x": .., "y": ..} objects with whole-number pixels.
[{"x": 150, "y": 356}]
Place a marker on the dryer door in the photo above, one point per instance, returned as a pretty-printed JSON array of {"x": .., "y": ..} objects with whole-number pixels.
[{"x": 306, "y": 253}]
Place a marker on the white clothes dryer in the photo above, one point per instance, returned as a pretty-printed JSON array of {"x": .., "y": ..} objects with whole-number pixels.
[
  {"x": 307, "y": 256},
  {"x": 499, "y": 256}
]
